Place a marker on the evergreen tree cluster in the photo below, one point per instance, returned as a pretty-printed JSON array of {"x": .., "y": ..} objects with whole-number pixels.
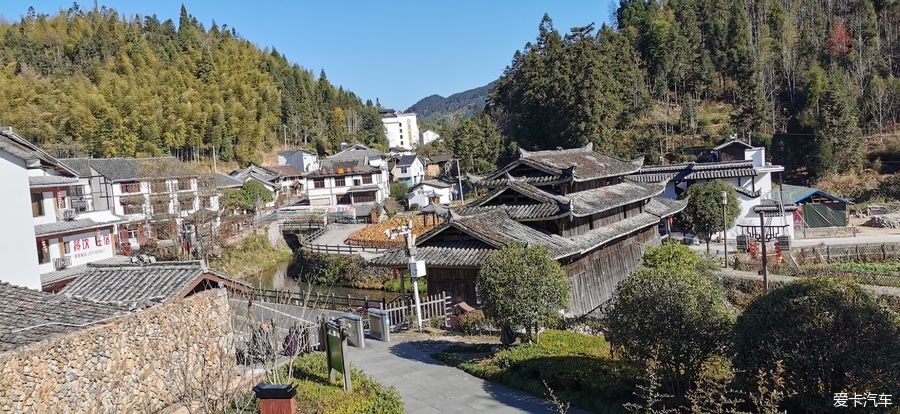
[
  {"x": 826, "y": 72},
  {"x": 94, "y": 82}
]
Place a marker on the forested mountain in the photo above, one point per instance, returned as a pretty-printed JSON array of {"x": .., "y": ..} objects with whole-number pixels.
[
  {"x": 93, "y": 82},
  {"x": 465, "y": 104},
  {"x": 821, "y": 74}
]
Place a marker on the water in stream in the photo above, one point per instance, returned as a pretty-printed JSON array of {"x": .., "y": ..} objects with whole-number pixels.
[{"x": 279, "y": 277}]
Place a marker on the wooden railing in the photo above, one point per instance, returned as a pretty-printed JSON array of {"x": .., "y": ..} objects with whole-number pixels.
[
  {"x": 316, "y": 299},
  {"x": 338, "y": 249},
  {"x": 433, "y": 307}
]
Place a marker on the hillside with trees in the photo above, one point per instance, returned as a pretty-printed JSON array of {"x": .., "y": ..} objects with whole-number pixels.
[
  {"x": 815, "y": 82},
  {"x": 461, "y": 105},
  {"x": 97, "y": 83}
]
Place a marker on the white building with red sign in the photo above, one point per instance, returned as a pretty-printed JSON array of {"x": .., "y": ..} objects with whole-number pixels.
[{"x": 59, "y": 231}]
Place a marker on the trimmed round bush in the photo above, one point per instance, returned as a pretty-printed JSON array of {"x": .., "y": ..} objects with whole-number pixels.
[
  {"x": 676, "y": 317},
  {"x": 830, "y": 336}
]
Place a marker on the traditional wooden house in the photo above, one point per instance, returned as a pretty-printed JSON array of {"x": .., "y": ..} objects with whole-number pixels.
[{"x": 576, "y": 203}]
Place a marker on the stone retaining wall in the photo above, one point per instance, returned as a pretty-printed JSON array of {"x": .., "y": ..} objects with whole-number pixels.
[{"x": 142, "y": 362}]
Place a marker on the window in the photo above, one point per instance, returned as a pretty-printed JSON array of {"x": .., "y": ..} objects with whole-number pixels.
[
  {"x": 367, "y": 179},
  {"x": 158, "y": 187},
  {"x": 207, "y": 202},
  {"x": 344, "y": 199},
  {"x": 131, "y": 187},
  {"x": 356, "y": 182},
  {"x": 37, "y": 204},
  {"x": 67, "y": 247},
  {"x": 318, "y": 183},
  {"x": 184, "y": 184},
  {"x": 133, "y": 233},
  {"x": 403, "y": 170},
  {"x": 43, "y": 252},
  {"x": 186, "y": 205},
  {"x": 160, "y": 208},
  {"x": 132, "y": 208},
  {"x": 364, "y": 197},
  {"x": 339, "y": 182}
]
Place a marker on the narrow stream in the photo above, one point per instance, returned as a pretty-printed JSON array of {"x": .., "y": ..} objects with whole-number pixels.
[{"x": 278, "y": 277}]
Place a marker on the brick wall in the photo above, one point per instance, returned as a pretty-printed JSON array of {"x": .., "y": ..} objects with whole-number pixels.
[{"x": 142, "y": 362}]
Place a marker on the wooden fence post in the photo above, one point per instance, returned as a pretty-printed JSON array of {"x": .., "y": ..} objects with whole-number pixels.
[{"x": 883, "y": 253}]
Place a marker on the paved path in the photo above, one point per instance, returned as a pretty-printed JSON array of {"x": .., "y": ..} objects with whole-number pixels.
[{"x": 429, "y": 386}]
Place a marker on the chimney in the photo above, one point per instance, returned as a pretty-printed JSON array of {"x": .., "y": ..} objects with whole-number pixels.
[{"x": 276, "y": 399}]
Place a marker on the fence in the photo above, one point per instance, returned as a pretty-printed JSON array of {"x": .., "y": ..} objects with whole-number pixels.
[
  {"x": 316, "y": 299},
  {"x": 824, "y": 232},
  {"x": 845, "y": 253},
  {"x": 434, "y": 306},
  {"x": 860, "y": 276}
]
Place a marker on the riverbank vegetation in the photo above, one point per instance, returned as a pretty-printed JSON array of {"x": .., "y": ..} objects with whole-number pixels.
[{"x": 250, "y": 256}]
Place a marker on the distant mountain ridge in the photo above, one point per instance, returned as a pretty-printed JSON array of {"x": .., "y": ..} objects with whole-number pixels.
[{"x": 463, "y": 104}]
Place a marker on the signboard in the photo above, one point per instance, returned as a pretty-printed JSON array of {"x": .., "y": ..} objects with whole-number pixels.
[
  {"x": 335, "y": 349},
  {"x": 416, "y": 268}
]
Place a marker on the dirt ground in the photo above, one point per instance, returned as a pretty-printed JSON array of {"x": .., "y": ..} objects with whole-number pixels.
[{"x": 870, "y": 231}]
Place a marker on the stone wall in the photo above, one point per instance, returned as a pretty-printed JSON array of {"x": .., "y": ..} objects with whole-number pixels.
[{"x": 142, "y": 362}]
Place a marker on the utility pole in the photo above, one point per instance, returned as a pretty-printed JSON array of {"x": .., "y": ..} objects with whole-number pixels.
[
  {"x": 725, "y": 225},
  {"x": 762, "y": 240},
  {"x": 416, "y": 267},
  {"x": 459, "y": 180}
]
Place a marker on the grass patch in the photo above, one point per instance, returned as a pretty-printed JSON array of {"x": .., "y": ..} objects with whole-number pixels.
[
  {"x": 251, "y": 255},
  {"x": 393, "y": 285},
  {"x": 578, "y": 368},
  {"x": 316, "y": 394}
]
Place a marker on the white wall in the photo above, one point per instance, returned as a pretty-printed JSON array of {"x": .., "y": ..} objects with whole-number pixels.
[
  {"x": 302, "y": 160},
  {"x": 86, "y": 250},
  {"x": 418, "y": 196},
  {"x": 402, "y": 130},
  {"x": 429, "y": 136},
  {"x": 331, "y": 193},
  {"x": 414, "y": 174},
  {"x": 18, "y": 251}
]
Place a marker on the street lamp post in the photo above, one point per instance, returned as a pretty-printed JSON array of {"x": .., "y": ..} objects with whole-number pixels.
[
  {"x": 416, "y": 267},
  {"x": 725, "y": 225}
]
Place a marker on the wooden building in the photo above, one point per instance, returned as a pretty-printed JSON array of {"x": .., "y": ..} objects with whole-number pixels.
[{"x": 575, "y": 203}]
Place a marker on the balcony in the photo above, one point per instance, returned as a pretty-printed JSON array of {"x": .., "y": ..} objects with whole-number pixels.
[{"x": 61, "y": 263}]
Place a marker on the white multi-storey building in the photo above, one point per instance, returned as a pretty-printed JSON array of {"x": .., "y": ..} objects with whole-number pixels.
[
  {"x": 152, "y": 194},
  {"x": 428, "y": 137},
  {"x": 356, "y": 176},
  {"x": 739, "y": 164},
  {"x": 429, "y": 192},
  {"x": 409, "y": 170},
  {"x": 401, "y": 128},
  {"x": 303, "y": 160},
  {"x": 61, "y": 230}
]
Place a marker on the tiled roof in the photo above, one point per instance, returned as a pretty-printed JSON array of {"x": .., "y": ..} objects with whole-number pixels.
[
  {"x": 363, "y": 189},
  {"x": 127, "y": 169},
  {"x": 253, "y": 171},
  {"x": 582, "y": 163},
  {"x": 731, "y": 142},
  {"x": 461, "y": 255},
  {"x": 226, "y": 181},
  {"x": 140, "y": 284},
  {"x": 22, "y": 148},
  {"x": 347, "y": 166},
  {"x": 663, "y": 207},
  {"x": 522, "y": 212},
  {"x": 432, "y": 183},
  {"x": 66, "y": 226},
  {"x": 285, "y": 170},
  {"x": 533, "y": 180},
  {"x": 596, "y": 200},
  {"x": 51, "y": 181},
  {"x": 28, "y": 316},
  {"x": 695, "y": 171},
  {"x": 357, "y": 151},
  {"x": 73, "y": 272},
  {"x": 406, "y": 160},
  {"x": 439, "y": 158}
]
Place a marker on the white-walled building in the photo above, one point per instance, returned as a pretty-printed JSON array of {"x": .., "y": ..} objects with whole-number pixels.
[
  {"x": 356, "y": 176},
  {"x": 152, "y": 194},
  {"x": 428, "y": 192},
  {"x": 303, "y": 160},
  {"x": 739, "y": 164},
  {"x": 409, "y": 170},
  {"x": 47, "y": 226},
  {"x": 428, "y": 137},
  {"x": 401, "y": 128}
]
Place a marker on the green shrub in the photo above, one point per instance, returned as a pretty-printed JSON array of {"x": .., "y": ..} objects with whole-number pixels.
[
  {"x": 831, "y": 336},
  {"x": 335, "y": 270},
  {"x": 890, "y": 187},
  {"x": 678, "y": 318},
  {"x": 521, "y": 287},
  {"x": 473, "y": 323}
]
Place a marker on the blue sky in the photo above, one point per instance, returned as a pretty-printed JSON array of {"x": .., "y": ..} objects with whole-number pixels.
[{"x": 398, "y": 51}]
